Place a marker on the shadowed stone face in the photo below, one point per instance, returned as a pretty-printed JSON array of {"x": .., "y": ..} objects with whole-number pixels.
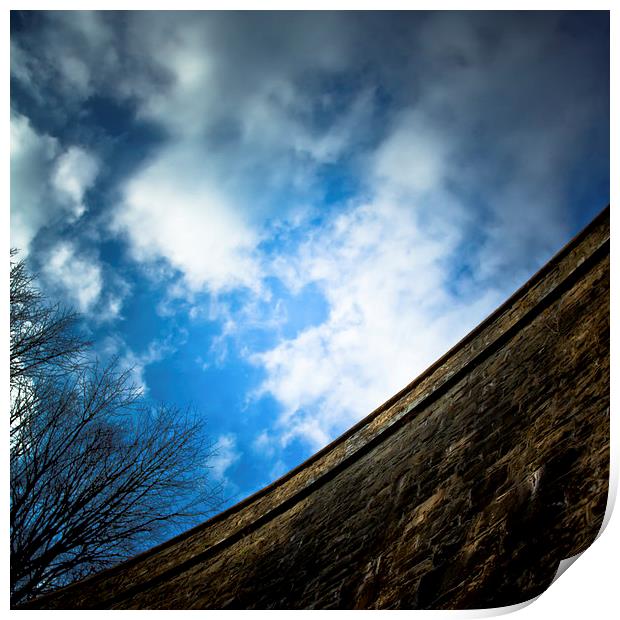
[{"x": 465, "y": 490}]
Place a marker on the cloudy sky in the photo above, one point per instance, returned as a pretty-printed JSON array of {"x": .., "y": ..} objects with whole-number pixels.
[{"x": 282, "y": 218}]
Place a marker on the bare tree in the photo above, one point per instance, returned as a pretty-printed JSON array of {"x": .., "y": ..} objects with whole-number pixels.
[
  {"x": 96, "y": 473},
  {"x": 43, "y": 336}
]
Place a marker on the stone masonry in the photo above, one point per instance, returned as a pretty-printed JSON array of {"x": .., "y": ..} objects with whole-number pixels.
[{"x": 464, "y": 490}]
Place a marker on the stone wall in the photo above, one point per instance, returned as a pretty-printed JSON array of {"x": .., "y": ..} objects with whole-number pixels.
[{"x": 464, "y": 490}]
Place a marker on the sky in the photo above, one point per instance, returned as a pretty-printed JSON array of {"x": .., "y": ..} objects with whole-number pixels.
[{"x": 280, "y": 219}]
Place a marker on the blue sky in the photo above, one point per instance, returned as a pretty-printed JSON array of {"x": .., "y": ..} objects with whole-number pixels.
[{"x": 280, "y": 219}]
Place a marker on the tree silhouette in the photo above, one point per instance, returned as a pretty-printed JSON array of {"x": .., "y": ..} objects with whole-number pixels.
[{"x": 97, "y": 474}]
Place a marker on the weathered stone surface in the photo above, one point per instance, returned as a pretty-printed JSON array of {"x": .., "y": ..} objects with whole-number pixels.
[{"x": 465, "y": 490}]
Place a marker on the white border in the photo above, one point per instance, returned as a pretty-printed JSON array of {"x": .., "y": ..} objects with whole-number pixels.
[{"x": 588, "y": 587}]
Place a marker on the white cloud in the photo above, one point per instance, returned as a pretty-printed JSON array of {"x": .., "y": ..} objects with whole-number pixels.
[
  {"x": 47, "y": 182},
  {"x": 74, "y": 172},
  {"x": 31, "y": 158},
  {"x": 391, "y": 314},
  {"x": 258, "y": 122},
  {"x": 225, "y": 455},
  {"x": 81, "y": 280},
  {"x": 400, "y": 280},
  {"x": 113, "y": 307},
  {"x": 79, "y": 275},
  {"x": 204, "y": 199},
  {"x": 136, "y": 363},
  {"x": 390, "y": 268},
  {"x": 413, "y": 157},
  {"x": 171, "y": 211},
  {"x": 263, "y": 444}
]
